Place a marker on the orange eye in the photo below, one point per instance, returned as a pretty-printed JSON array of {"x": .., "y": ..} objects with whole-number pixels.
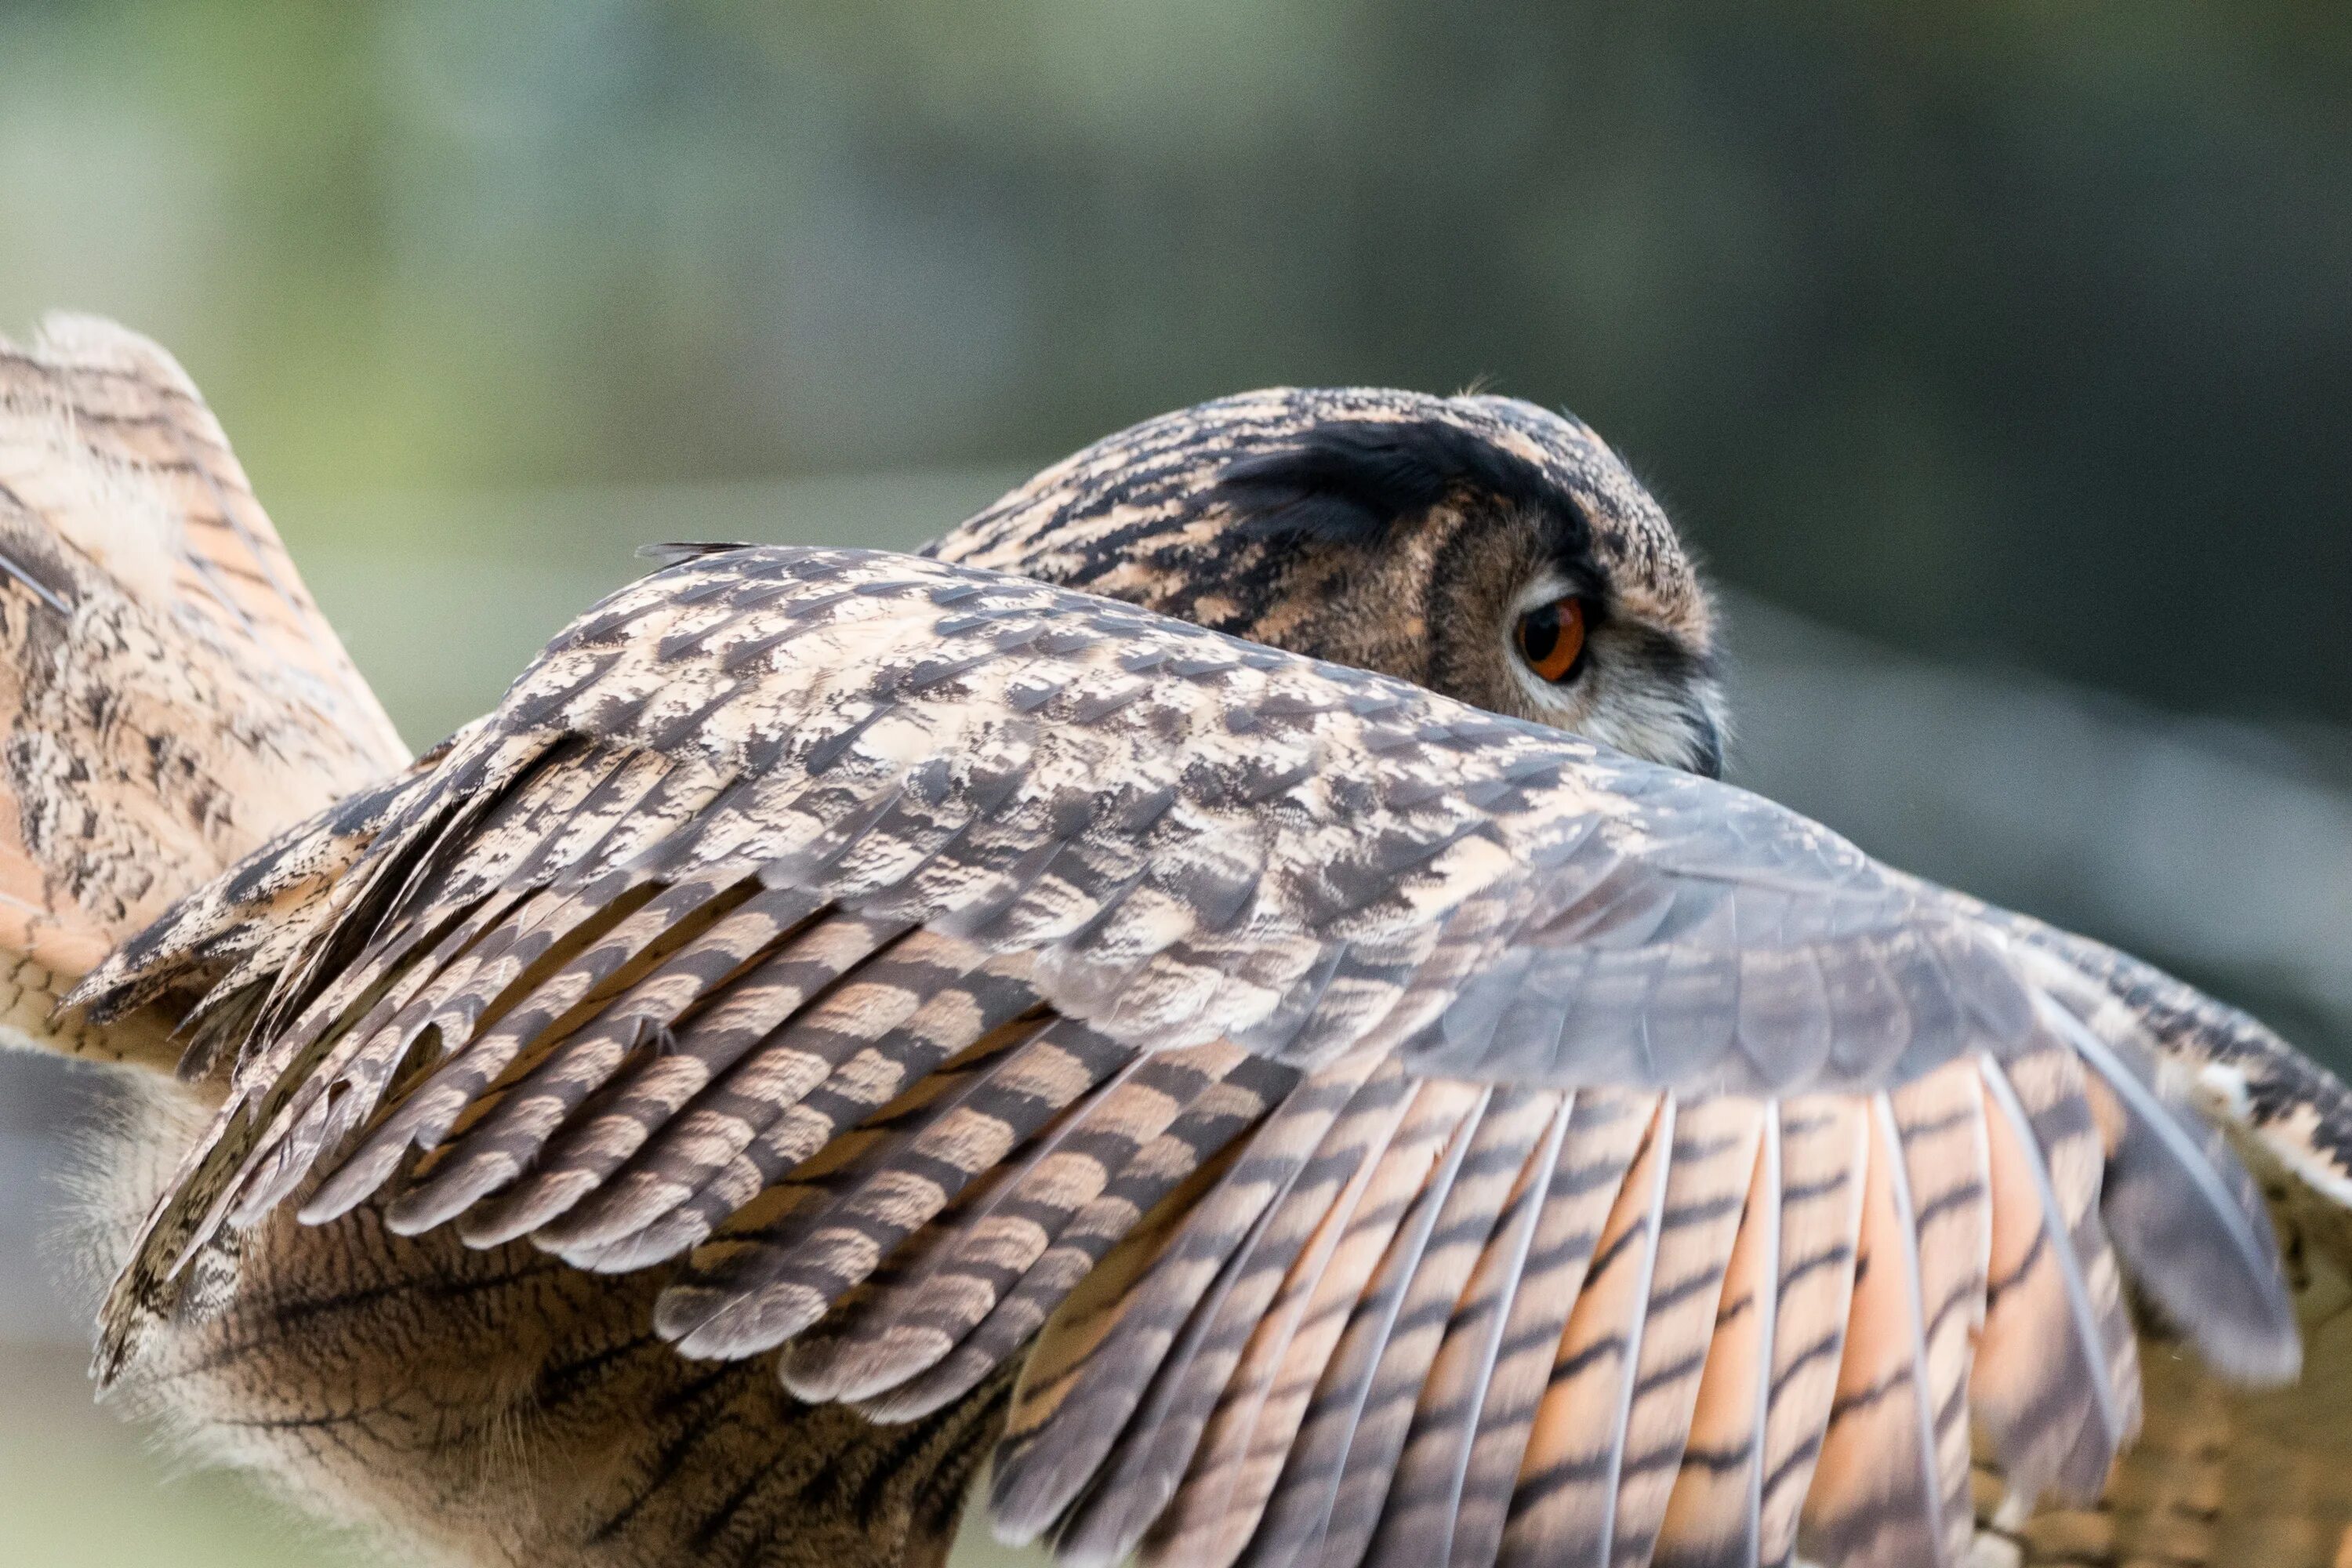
[{"x": 1552, "y": 637}]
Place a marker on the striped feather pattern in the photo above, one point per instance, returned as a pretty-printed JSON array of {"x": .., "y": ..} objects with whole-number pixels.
[
  {"x": 1941, "y": 1125},
  {"x": 2223, "y": 1476},
  {"x": 1563, "y": 1508},
  {"x": 1471, "y": 1426},
  {"x": 1232, "y": 1474},
  {"x": 2057, "y": 1406},
  {"x": 1153, "y": 1183},
  {"x": 924, "y": 1313},
  {"x": 815, "y": 1078},
  {"x": 1714, "y": 1170},
  {"x": 1409, "y": 1133},
  {"x": 1824, "y": 1161},
  {"x": 1713, "y": 1516},
  {"x": 754, "y": 1289},
  {"x": 563, "y": 961},
  {"x": 1079, "y": 1389},
  {"x": 1327, "y": 1504},
  {"x": 170, "y": 694},
  {"x": 772, "y": 1037},
  {"x": 1309, "y": 1218},
  {"x": 496, "y": 1146},
  {"x": 1892, "y": 1485}
]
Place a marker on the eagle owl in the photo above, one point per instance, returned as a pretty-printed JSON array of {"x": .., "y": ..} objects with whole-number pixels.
[{"x": 1226, "y": 990}]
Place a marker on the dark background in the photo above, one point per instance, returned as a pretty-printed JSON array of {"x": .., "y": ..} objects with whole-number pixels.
[{"x": 2018, "y": 332}]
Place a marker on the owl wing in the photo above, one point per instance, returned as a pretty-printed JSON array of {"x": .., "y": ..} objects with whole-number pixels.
[
  {"x": 170, "y": 696},
  {"x": 1387, "y": 1129},
  {"x": 2224, "y": 1474}
]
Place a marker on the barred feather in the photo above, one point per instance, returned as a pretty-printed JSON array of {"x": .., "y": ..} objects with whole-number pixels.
[
  {"x": 1826, "y": 1158},
  {"x": 1327, "y": 1501},
  {"x": 755, "y": 1288},
  {"x": 1154, "y": 1182},
  {"x": 1143, "y": 1471},
  {"x": 1233, "y": 1472},
  {"x": 807, "y": 1082},
  {"x": 1713, "y": 1167},
  {"x": 1563, "y": 1509},
  {"x": 910, "y": 942},
  {"x": 1076, "y": 1396},
  {"x": 1471, "y": 1430},
  {"x": 2057, "y": 1379},
  {"x": 1892, "y": 1486},
  {"x": 1714, "y": 1514},
  {"x": 926, "y": 1311}
]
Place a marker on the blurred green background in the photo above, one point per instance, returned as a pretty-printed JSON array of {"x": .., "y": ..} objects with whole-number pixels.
[{"x": 1997, "y": 356}]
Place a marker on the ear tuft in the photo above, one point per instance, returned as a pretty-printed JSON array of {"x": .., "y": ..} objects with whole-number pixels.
[
  {"x": 678, "y": 551},
  {"x": 1347, "y": 480}
]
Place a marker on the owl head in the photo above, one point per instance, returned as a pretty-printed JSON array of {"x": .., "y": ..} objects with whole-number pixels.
[{"x": 1482, "y": 546}]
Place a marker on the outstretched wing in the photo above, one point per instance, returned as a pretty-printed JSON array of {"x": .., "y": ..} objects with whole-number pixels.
[
  {"x": 1412, "y": 1129},
  {"x": 170, "y": 696}
]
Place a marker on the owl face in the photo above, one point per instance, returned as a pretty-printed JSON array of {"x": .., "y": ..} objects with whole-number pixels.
[{"x": 1481, "y": 546}]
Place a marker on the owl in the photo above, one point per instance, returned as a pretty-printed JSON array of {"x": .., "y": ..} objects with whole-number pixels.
[{"x": 1226, "y": 989}]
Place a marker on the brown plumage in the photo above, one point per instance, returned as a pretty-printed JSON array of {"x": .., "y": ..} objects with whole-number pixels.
[{"x": 1320, "y": 1120}]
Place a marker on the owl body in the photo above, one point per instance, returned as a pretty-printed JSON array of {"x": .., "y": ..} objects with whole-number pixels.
[{"x": 1259, "y": 1021}]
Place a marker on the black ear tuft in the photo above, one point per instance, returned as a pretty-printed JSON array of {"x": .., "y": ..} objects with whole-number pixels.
[
  {"x": 1347, "y": 481},
  {"x": 677, "y": 552}
]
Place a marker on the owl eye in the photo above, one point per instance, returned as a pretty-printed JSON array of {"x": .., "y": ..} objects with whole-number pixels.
[{"x": 1551, "y": 639}]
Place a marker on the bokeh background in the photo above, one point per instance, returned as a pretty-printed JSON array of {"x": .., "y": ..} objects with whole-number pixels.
[{"x": 1999, "y": 357}]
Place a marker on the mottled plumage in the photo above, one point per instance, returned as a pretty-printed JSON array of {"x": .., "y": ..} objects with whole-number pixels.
[
  {"x": 1323, "y": 1121},
  {"x": 1389, "y": 531},
  {"x": 169, "y": 694}
]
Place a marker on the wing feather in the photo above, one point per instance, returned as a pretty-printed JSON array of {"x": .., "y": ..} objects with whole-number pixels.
[
  {"x": 906, "y": 1328},
  {"x": 2057, "y": 1407},
  {"x": 562, "y": 956},
  {"x": 1071, "y": 1406},
  {"x": 1714, "y": 1515},
  {"x": 169, "y": 691},
  {"x": 1941, "y": 1121},
  {"x": 1563, "y": 1510},
  {"x": 645, "y": 1038},
  {"x": 1460, "y": 1466},
  {"x": 1892, "y": 1486},
  {"x": 910, "y": 943},
  {"x": 1714, "y": 1156},
  {"x": 1233, "y": 1472},
  {"x": 1328, "y": 1501},
  {"x": 2186, "y": 1219},
  {"x": 1152, "y": 1183},
  {"x": 757, "y": 1286},
  {"x": 761, "y": 1119},
  {"x": 1148, "y": 1465},
  {"x": 851, "y": 980},
  {"x": 1825, "y": 1154}
]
